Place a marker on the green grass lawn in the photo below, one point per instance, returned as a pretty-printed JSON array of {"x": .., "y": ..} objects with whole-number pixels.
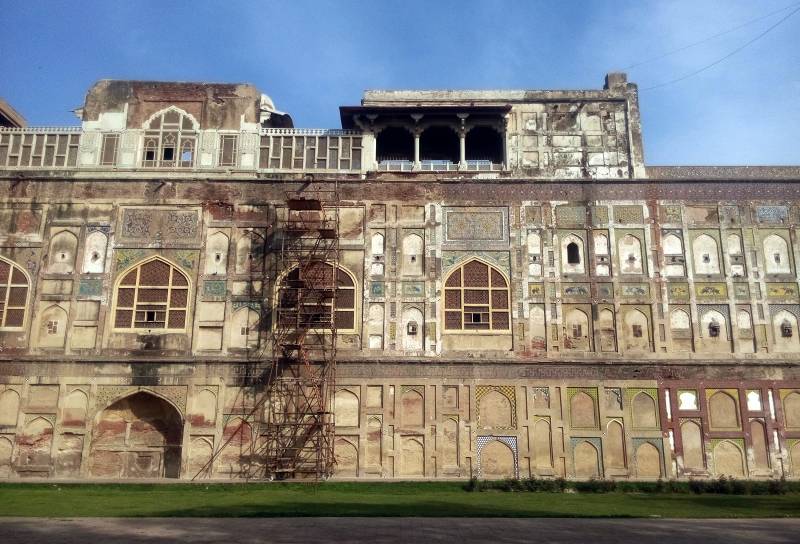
[{"x": 369, "y": 499}]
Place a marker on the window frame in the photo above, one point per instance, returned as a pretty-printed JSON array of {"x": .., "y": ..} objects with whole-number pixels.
[
  {"x": 234, "y": 161},
  {"x": 279, "y": 286},
  {"x": 154, "y": 139},
  {"x": 469, "y": 310},
  {"x": 8, "y": 285},
  {"x": 169, "y": 307}
]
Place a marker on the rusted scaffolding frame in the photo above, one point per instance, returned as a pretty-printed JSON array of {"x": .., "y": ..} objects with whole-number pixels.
[{"x": 291, "y": 422}]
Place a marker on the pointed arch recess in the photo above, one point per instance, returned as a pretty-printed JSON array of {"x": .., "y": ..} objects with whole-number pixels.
[
  {"x": 477, "y": 298},
  {"x": 152, "y": 294}
]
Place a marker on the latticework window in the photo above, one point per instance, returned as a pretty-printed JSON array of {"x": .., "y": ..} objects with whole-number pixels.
[
  {"x": 170, "y": 140},
  {"x": 13, "y": 295},
  {"x": 305, "y": 301},
  {"x": 476, "y": 298},
  {"x": 153, "y": 295}
]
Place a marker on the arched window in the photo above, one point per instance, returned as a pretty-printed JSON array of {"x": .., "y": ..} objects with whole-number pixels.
[
  {"x": 152, "y": 295},
  {"x": 476, "y": 298},
  {"x": 302, "y": 304},
  {"x": 170, "y": 139},
  {"x": 573, "y": 253},
  {"x": 13, "y": 295}
]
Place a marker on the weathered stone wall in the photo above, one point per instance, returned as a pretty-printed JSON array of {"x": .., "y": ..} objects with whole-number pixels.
[
  {"x": 554, "y": 393},
  {"x": 563, "y": 312}
]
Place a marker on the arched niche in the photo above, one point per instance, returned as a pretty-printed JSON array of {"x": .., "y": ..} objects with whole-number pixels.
[
  {"x": 637, "y": 330},
  {"x": 644, "y": 412},
  {"x": 497, "y": 461},
  {"x": 412, "y": 249},
  {"x": 630, "y": 255},
  {"x": 648, "y": 461},
  {"x": 586, "y": 460},
  {"x": 614, "y": 449},
  {"x": 542, "y": 444},
  {"x": 204, "y": 409},
  {"x": 35, "y": 444},
  {"x": 412, "y": 456},
  {"x": 9, "y": 408},
  {"x": 692, "y": 442},
  {"x": 244, "y": 330},
  {"x": 573, "y": 255},
  {"x": 412, "y": 408},
  {"x": 577, "y": 334},
  {"x": 53, "y": 327},
  {"x": 61, "y": 256},
  {"x": 705, "y": 255},
  {"x": 94, "y": 254},
  {"x": 582, "y": 411},
  {"x": 346, "y": 453},
  {"x": 776, "y": 255},
  {"x": 346, "y": 408},
  {"x": 495, "y": 410},
  {"x": 723, "y": 411},
  {"x": 413, "y": 332},
  {"x": 138, "y": 436},
  {"x": 250, "y": 252},
  {"x": 728, "y": 460},
  {"x": 714, "y": 327},
  {"x": 785, "y": 333},
  {"x": 608, "y": 335},
  {"x": 217, "y": 254},
  {"x": 75, "y": 409},
  {"x": 378, "y": 244},
  {"x": 791, "y": 409}
]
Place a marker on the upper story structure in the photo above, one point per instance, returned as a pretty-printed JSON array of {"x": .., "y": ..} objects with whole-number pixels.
[{"x": 200, "y": 128}]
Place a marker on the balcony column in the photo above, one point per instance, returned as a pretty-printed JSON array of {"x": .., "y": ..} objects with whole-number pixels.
[
  {"x": 417, "y": 162},
  {"x": 417, "y": 134},
  {"x": 504, "y": 133},
  {"x": 462, "y": 141}
]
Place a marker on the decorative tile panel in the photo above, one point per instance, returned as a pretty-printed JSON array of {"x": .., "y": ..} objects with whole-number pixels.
[
  {"x": 628, "y": 214},
  {"x": 90, "y": 287},
  {"x": 154, "y": 225},
  {"x": 772, "y": 214},
  {"x": 782, "y": 290},
  {"x": 711, "y": 290},
  {"x": 470, "y": 224},
  {"x": 678, "y": 291},
  {"x": 377, "y": 289},
  {"x": 214, "y": 289},
  {"x": 414, "y": 288}
]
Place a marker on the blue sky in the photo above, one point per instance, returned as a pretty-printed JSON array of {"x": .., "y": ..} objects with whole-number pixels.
[{"x": 313, "y": 56}]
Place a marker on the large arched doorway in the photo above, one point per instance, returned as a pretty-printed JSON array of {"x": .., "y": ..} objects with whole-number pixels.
[{"x": 138, "y": 436}]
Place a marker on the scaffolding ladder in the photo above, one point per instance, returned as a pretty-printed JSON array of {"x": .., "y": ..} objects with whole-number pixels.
[{"x": 291, "y": 422}]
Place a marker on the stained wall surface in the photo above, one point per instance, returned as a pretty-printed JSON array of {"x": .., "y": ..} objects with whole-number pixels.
[{"x": 544, "y": 318}]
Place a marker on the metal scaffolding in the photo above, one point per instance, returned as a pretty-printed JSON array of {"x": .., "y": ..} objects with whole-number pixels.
[{"x": 291, "y": 424}]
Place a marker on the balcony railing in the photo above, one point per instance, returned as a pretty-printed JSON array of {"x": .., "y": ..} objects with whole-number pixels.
[
  {"x": 278, "y": 150},
  {"x": 310, "y": 149},
  {"x": 40, "y": 147},
  {"x": 438, "y": 166}
]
